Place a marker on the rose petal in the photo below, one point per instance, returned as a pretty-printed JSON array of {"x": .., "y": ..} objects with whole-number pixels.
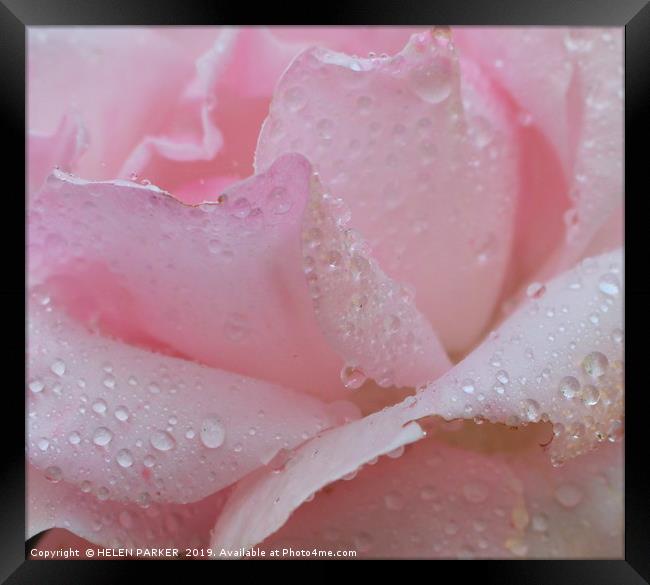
[
  {"x": 571, "y": 82},
  {"x": 108, "y": 76},
  {"x": 575, "y": 511},
  {"x": 61, "y": 149},
  {"x": 558, "y": 359},
  {"x": 396, "y": 177},
  {"x": 263, "y": 502},
  {"x": 215, "y": 124},
  {"x": 115, "y": 524},
  {"x": 355, "y": 40},
  {"x": 521, "y": 359},
  {"x": 368, "y": 318},
  {"x": 219, "y": 282},
  {"x": 135, "y": 426},
  {"x": 434, "y": 501}
]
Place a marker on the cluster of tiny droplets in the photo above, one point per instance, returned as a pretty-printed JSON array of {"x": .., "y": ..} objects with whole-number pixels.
[{"x": 374, "y": 309}]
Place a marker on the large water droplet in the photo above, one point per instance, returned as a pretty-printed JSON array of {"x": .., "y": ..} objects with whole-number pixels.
[
  {"x": 124, "y": 458},
  {"x": 431, "y": 81},
  {"x": 53, "y": 474},
  {"x": 122, "y": 413},
  {"x": 162, "y": 441},
  {"x": 99, "y": 406},
  {"x": 212, "y": 432},
  {"x": 569, "y": 387},
  {"x": 595, "y": 364},
  {"x": 36, "y": 386},
  {"x": 58, "y": 367},
  {"x": 531, "y": 410},
  {"x": 102, "y": 436}
]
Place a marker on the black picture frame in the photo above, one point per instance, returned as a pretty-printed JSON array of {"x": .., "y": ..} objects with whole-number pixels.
[{"x": 17, "y": 15}]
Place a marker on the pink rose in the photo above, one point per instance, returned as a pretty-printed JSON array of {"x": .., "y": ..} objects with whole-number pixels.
[{"x": 293, "y": 298}]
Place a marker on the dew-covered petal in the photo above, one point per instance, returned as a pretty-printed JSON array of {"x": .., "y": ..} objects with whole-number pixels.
[
  {"x": 570, "y": 83},
  {"x": 61, "y": 149},
  {"x": 434, "y": 501},
  {"x": 113, "y": 524},
  {"x": 519, "y": 375},
  {"x": 127, "y": 78},
  {"x": 224, "y": 281},
  {"x": 218, "y": 283},
  {"x": 368, "y": 318},
  {"x": 263, "y": 502},
  {"x": 574, "y": 511},
  {"x": 558, "y": 359},
  {"x": 137, "y": 426},
  {"x": 394, "y": 137}
]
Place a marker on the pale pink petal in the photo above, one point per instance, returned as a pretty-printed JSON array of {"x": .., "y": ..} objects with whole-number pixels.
[
  {"x": 116, "y": 524},
  {"x": 61, "y": 150},
  {"x": 520, "y": 375},
  {"x": 355, "y": 40},
  {"x": 574, "y": 511},
  {"x": 121, "y": 82},
  {"x": 558, "y": 359},
  {"x": 434, "y": 501},
  {"x": 394, "y": 137},
  {"x": 368, "y": 318},
  {"x": 570, "y": 83},
  {"x": 136, "y": 426},
  {"x": 224, "y": 281},
  {"x": 215, "y": 124},
  {"x": 263, "y": 502}
]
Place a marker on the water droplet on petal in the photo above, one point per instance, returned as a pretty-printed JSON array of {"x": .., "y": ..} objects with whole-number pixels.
[
  {"x": 212, "y": 432},
  {"x": 569, "y": 387},
  {"x": 36, "y": 386},
  {"x": 58, "y": 367},
  {"x": 595, "y": 364},
  {"x": 53, "y": 474},
  {"x": 162, "y": 441},
  {"x": 352, "y": 377},
  {"x": 102, "y": 436},
  {"x": 124, "y": 458},
  {"x": 122, "y": 413}
]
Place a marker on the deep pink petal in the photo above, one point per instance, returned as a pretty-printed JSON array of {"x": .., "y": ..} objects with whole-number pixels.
[
  {"x": 394, "y": 137},
  {"x": 137, "y": 426}
]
